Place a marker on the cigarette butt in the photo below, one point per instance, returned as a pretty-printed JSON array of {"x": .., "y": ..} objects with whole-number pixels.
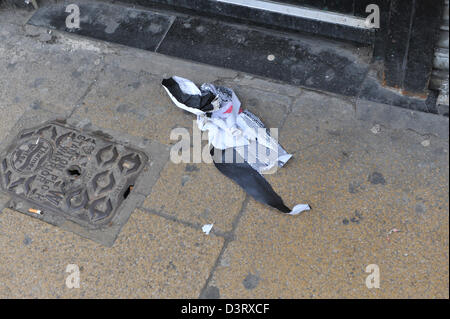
[{"x": 34, "y": 211}]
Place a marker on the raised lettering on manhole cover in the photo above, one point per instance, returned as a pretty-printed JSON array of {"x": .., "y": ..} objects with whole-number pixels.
[{"x": 59, "y": 170}]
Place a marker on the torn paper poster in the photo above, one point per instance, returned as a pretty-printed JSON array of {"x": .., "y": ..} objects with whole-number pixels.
[
  {"x": 207, "y": 228},
  {"x": 254, "y": 150},
  {"x": 219, "y": 112},
  {"x": 187, "y": 96},
  {"x": 253, "y": 183}
]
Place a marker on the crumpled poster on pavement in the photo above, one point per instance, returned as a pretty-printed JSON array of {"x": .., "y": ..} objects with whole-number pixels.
[{"x": 243, "y": 150}]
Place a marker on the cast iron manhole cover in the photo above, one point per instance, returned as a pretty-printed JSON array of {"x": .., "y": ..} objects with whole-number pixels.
[{"x": 59, "y": 170}]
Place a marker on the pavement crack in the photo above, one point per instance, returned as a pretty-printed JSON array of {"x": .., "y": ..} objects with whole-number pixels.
[
  {"x": 229, "y": 239},
  {"x": 196, "y": 226},
  {"x": 288, "y": 113},
  {"x": 86, "y": 92}
]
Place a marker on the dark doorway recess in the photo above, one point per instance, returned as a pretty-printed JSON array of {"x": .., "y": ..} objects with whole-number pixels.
[{"x": 403, "y": 44}]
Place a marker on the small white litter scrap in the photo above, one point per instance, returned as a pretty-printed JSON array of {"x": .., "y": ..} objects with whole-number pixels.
[
  {"x": 299, "y": 208},
  {"x": 376, "y": 129},
  {"x": 425, "y": 143},
  {"x": 207, "y": 228}
]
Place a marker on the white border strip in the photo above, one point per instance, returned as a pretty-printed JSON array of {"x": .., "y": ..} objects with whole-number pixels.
[{"x": 301, "y": 12}]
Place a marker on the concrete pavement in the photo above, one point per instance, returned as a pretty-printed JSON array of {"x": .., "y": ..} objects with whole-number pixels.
[{"x": 363, "y": 176}]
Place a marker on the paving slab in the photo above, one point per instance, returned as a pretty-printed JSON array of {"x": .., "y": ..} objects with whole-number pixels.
[
  {"x": 10, "y": 114},
  {"x": 312, "y": 113},
  {"x": 197, "y": 194},
  {"x": 9, "y": 110},
  {"x": 42, "y": 75},
  {"x": 133, "y": 103},
  {"x": 395, "y": 117},
  {"x": 361, "y": 186},
  {"x": 152, "y": 258}
]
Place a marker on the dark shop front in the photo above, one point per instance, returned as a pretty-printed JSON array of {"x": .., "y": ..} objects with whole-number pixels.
[{"x": 406, "y": 44}]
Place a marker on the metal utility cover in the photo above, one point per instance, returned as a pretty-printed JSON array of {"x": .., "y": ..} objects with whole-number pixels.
[{"x": 55, "y": 172}]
